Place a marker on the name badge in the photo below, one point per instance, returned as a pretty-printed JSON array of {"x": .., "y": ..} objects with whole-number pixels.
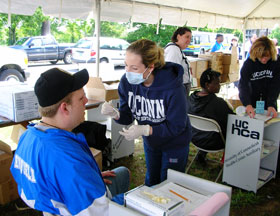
[{"x": 260, "y": 107}]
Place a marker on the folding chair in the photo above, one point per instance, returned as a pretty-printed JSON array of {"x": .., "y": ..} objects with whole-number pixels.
[{"x": 206, "y": 124}]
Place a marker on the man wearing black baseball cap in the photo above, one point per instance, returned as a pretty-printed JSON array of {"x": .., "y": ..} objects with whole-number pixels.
[{"x": 53, "y": 167}]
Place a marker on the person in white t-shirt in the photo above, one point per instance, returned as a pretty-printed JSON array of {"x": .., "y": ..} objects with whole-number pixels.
[{"x": 181, "y": 38}]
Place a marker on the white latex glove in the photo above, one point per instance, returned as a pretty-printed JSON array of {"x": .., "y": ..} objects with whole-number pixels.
[
  {"x": 135, "y": 131},
  {"x": 108, "y": 109}
]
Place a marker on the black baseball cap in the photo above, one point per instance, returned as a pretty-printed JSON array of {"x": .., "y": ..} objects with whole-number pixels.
[{"x": 55, "y": 84}]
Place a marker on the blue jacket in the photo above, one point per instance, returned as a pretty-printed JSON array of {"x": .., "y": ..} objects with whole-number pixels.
[
  {"x": 217, "y": 47},
  {"x": 163, "y": 106},
  {"x": 56, "y": 172}
]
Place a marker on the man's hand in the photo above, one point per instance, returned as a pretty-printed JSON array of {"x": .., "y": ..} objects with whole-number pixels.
[
  {"x": 135, "y": 131},
  {"x": 250, "y": 111},
  {"x": 273, "y": 111},
  {"x": 108, "y": 109},
  {"x": 108, "y": 174}
]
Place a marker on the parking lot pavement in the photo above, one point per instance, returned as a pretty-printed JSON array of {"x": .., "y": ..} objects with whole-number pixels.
[{"x": 107, "y": 71}]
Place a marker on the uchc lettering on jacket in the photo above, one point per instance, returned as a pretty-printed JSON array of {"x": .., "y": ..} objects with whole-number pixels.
[
  {"x": 262, "y": 74},
  {"x": 148, "y": 108}
]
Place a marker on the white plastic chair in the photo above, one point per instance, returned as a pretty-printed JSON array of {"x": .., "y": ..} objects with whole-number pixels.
[{"x": 206, "y": 124}]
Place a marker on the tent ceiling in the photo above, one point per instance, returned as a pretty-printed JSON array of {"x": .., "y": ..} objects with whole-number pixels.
[{"x": 223, "y": 13}]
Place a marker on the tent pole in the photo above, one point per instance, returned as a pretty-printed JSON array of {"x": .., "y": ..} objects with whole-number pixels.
[
  {"x": 97, "y": 32},
  {"x": 9, "y": 13},
  {"x": 244, "y": 27}
]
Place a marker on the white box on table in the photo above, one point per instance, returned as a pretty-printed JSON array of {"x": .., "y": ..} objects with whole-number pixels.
[
  {"x": 195, "y": 184},
  {"x": 18, "y": 102}
]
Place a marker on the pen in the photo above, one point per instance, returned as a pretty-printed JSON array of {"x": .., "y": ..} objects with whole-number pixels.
[{"x": 179, "y": 195}]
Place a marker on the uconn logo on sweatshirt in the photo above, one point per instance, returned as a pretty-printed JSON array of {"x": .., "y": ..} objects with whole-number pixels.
[
  {"x": 262, "y": 74},
  {"x": 144, "y": 109}
]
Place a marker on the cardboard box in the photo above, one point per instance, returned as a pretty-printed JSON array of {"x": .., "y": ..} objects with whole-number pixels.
[
  {"x": 17, "y": 131},
  {"x": 235, "y": 103},
  {"x": 97, "y": 154},
  {"x": 218, "y": 68},
  {"x": 193, "y": 67},
  {"x": 226, "y": 68},
  {"x": 230, "y": 59},
  {"x": 217, "y": 62},
  {"x": 207, "y": 56},
  {"x": 233, "y": 77},
  {"x": 217, "y": 57},
  {"x": 8, "y": 191},
  {"x": 232, "y": 68},
  {"x": 98, "y": 90},
  {"x": 226, "y": 59},
  {"x": 6, "y": 158},
  {"x": 201, "y": 66},
  {"x": 18, "y": 102},
  {"x": 224, "y": 78},
  {"x": 234, "y": 55}
]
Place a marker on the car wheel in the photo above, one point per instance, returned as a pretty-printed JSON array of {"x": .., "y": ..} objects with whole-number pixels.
[
  {"x": 104, "y": 60},
  {"x": 54, "y": 62},
  {"x": 11, "y": 75},
  {"x": 67, "y": 58}
]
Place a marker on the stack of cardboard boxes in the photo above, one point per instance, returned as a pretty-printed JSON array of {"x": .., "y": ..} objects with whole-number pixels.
[
  {"x": 8, "y": 186},
  {"x": 217, "y": 62},
  {"x": 231, "y": 67},
  {"x": 226, "y": 64},
  {"x": 198, "y": 65}
]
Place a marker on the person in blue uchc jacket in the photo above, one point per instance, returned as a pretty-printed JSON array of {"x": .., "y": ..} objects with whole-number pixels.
[
  {"x": 218, "y": 46},
  {"x": 151, "y": 92},
  {"x": 260, "y": 78},
  {"x": 53, "y": 167}
]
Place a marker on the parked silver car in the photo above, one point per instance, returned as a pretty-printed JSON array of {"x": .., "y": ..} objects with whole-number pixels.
[{"x": 112, "y": 50}]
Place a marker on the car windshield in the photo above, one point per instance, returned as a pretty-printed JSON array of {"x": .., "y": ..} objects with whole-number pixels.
[
  {"x": 125, "y": 45},
  {"x": 21, "y": 41},
  {"x": 84, "y": 43}
]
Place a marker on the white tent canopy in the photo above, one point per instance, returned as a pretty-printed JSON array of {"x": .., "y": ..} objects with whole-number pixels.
[{"x": 235, "y": 14}]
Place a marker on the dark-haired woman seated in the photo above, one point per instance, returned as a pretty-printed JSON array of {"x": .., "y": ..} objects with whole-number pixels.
[{"x": 206, "y": 104}]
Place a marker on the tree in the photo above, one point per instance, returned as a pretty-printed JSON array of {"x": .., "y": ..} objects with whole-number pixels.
[
  {"x": 22, "y": 25},
  {"x": 112, "y": 29},
  {"x": 3, "y": 36},
  {"x": 148, "y": 31},
  {"x": 275, "y": 34}
]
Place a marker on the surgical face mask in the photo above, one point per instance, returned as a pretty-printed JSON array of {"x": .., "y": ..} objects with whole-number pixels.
[{"x": 136, "y": 78}]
